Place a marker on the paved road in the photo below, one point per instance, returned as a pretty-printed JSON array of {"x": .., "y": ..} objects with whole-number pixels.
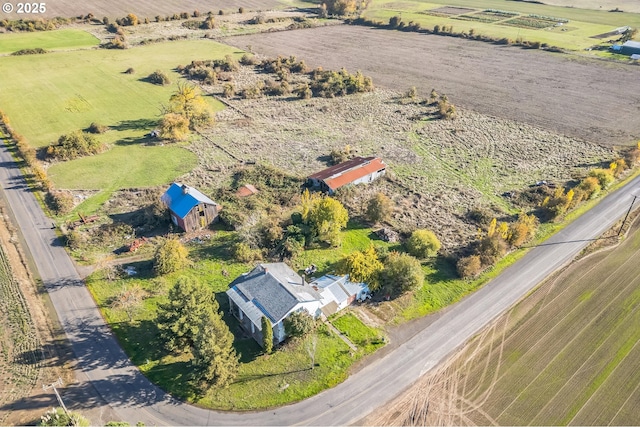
[{"x": 104, "y": 365}]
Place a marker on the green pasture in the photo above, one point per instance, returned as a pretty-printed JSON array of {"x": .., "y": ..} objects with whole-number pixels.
[
  {"x": 574, "y": 35},
  {"x": 48, "y": 95},
  {"x": 49, "y": 40},
  {"x": 124, "y": 166},
  {"x": 80, "y": 87}
]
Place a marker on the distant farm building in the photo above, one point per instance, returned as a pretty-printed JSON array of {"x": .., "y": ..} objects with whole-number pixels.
[
  {"x": 627, "y": 48},
  {"x": 630, "y": 48},
  {"x": 359, "y": 170},
  {"x": 246, "y": 191},
  {"x": 190, "y": 209}
]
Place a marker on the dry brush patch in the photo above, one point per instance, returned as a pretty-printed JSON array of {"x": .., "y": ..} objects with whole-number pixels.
[
  {"x": 225, "y": 25},
  {"x": 566, "y": 355}
]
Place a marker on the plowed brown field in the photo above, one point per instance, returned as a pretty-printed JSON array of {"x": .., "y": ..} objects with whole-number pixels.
[
  {"x": 591, "y": 99},
  {"x": 143, "y": 8}
]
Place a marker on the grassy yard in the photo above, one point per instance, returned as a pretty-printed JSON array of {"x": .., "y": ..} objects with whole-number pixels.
[
  {"x": 574, "y": 35},
  {"x": 288, "y": 371},
  {"x": 124, "y": 166},
  {"x": 49, "y": 40},
  {"x": 366, "y": 338}
]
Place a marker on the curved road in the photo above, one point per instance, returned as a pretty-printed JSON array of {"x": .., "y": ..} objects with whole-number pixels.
[{"x": 133, "y": 398}]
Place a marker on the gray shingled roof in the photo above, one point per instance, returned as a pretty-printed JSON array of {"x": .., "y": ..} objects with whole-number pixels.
[{"x": 275, "y": 289}]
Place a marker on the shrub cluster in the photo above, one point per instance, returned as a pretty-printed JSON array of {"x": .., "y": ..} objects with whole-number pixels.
[
  {"x": 494, "y": 245},
  {"x": 36, "y": 51},
  {"x": 60, "y": 202},
  {"x": 158, "y": 77},
  {"x": 97, "y": 128},
  {"x": 328, "y": 84},
  {"x": 34, "y": 24},
  {"x": 396, "y": 22},
  {"x": 129, "y": 20},
  {"x": 209, "y": 72},
  {"x": 74, "y": 145}
]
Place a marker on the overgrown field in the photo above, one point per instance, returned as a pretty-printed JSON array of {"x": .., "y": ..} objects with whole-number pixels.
[
  {"x": 567, "y": 354},
  {"x": 535, "y": 22},
  {"x": 565, "y": 95},
  {"x": 439, "y": 169}
]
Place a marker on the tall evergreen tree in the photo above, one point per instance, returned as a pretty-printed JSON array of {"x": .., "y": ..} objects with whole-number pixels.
[
  {"x": 215, "y": 360},
  {"x": 179, "y": 320}
]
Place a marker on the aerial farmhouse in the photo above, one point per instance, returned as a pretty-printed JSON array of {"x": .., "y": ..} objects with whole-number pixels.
[
  {"x": 274, "y": 290},
  {"x": 190, "y": 209}
]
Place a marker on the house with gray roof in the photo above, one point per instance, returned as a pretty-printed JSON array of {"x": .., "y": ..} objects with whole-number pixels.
[{"x": 274, "y": 290}]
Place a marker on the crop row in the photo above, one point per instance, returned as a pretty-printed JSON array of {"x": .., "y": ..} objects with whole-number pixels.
[{"x": 20, "y": 357}]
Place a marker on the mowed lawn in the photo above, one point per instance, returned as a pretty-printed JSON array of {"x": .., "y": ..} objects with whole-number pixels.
[
  {"x": 574, "y": 35},
  {"x": 48, "y": 95},
  {"x": 49, "y": 40},
  {"x": 570, "y": 353}
]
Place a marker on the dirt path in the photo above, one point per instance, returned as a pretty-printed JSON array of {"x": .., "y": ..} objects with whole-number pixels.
[{"x": 590, "y": 99}]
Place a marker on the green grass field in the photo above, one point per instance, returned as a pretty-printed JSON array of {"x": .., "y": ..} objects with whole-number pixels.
[
  {"x": 84, "y": 86},
  {"x": 124, "y": 167},
  {"x": 49, "y": 40},
  {"x": 574, "y": 35}
]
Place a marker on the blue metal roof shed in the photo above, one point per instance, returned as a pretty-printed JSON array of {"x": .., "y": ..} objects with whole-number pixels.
[
  {"x": 629, "y": 48},
  {"x": 181, "y": 201}
]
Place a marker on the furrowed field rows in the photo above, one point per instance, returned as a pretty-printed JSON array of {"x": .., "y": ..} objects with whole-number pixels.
[
  {"x": 528, "y": 357},
  {"x": 148, "y": 8},
  {"x": 554, "y": 356},
  {"x": 20, "y": 359},
  {"x": 570, "y": 354}
]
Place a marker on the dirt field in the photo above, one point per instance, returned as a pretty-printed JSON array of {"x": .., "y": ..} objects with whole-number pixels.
[
  {"x": 583, "y": 98},
  {"x": 567, "y": 354},
  {"x": 143, "y": 8},
  {"x": 625, "y": 5}
]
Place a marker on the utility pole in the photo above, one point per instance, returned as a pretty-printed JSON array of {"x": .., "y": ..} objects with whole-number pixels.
[
  {"x": 628, "y": 212},
  {"x": 55, "y": 390}
]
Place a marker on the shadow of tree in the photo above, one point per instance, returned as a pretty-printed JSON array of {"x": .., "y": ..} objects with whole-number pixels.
[{"x": 136, "y": 124}]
